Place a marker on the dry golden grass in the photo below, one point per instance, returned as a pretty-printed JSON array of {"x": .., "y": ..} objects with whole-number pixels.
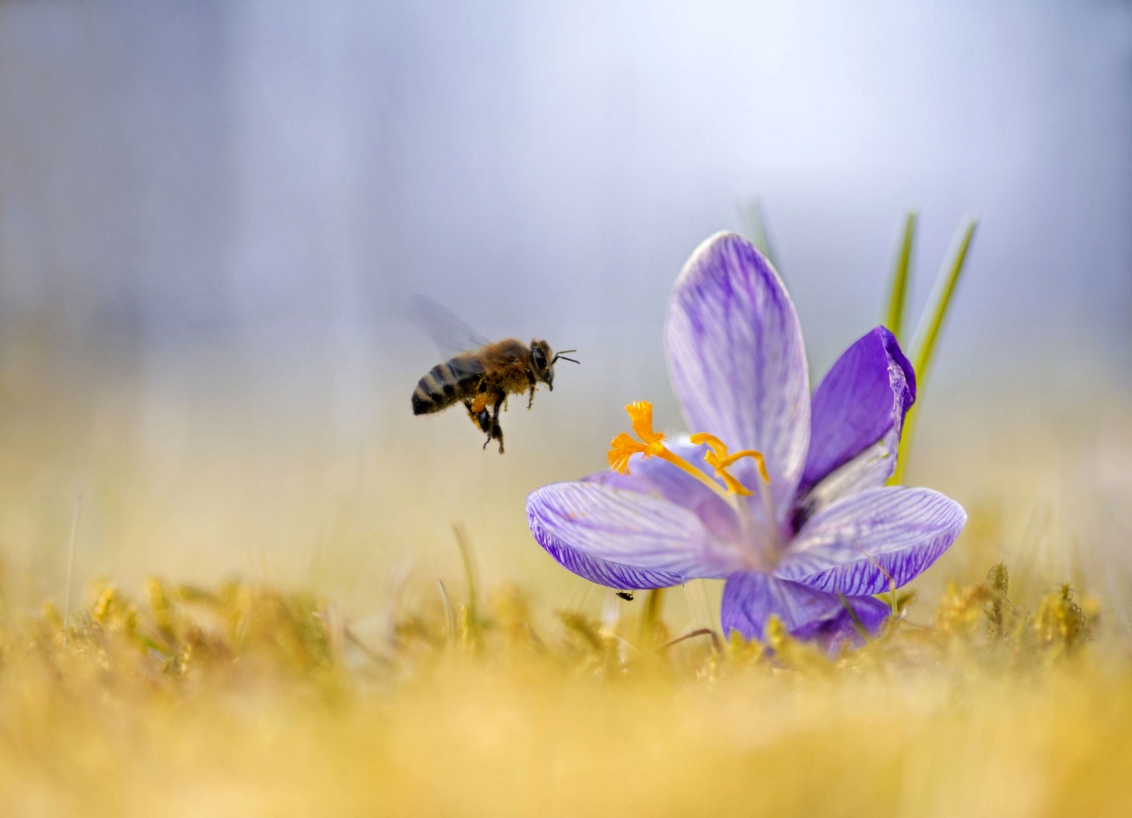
[{"x": 244, "y": 700}]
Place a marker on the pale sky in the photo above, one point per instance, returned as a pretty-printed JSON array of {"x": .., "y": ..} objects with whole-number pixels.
[{"x": 550, "y": 165}]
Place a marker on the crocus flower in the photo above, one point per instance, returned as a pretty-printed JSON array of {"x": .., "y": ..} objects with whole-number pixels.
[{"x": 780, "y": 493}]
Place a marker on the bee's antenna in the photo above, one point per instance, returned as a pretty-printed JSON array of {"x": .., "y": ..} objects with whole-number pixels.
[{"x": 563, "y": 357}]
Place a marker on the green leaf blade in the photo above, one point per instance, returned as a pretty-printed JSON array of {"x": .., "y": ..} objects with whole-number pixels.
[
  {"x": 893, "y": 317},
  {"x": 927, "y": 332}
]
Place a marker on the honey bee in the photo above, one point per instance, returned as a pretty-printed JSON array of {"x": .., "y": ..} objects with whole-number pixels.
[{"x": 481, "y": 373}]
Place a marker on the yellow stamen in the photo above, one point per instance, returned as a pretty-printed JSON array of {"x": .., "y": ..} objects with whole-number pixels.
[
  {"x": 623, "y": 447},
  {"x": 720, "y": 460}
]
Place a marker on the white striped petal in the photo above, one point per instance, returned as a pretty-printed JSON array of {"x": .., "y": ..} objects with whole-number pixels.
[
  {"x": 625, "y": 539},
  {"x": 857, "y": 544},
  {"x": 737, "y": 362}
]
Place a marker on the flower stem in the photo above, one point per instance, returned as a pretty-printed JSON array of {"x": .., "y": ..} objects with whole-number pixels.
[{"x": 654, "y": 603}]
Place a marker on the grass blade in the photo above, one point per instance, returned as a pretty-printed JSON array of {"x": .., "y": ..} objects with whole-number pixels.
[
  {"x": 650, "y": 617},
  {"x": 469, "y": 572},
  {"x": 927, "y": 332},
  {"x": 70, "y": 566},
  {"x": 756, "y": 231},
  {"x": 898, "y": 286},
  {"x": 449, "y": 614}
]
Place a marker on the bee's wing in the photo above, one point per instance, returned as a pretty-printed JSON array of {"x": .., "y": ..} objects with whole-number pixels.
[{"x": 451, "y": 335}]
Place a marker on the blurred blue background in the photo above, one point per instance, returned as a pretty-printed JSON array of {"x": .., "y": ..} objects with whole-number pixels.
[
  {"x": 169, "y": 170},
  {"x": 213, "y": 212}
]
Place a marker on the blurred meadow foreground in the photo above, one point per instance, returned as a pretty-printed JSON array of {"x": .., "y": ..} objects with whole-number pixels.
[{"x": 239, "y": 577}]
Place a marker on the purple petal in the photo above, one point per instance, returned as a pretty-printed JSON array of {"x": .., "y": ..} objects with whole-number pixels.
[
  {"x": 857, "y": 414},
  {"x": 856, "y": 544},
  {"x": 870, "y": 614},
  {"x": 750, "y": 598},
  {"x": 651, "y": 475},
  {"x": 625, "y": 539},
  {"x": 737, "y": 362}
]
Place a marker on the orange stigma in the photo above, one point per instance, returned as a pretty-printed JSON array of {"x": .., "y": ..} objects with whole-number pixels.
[
  {"x": 719, "y": 459},
  {"x": 623, "y": 447}
]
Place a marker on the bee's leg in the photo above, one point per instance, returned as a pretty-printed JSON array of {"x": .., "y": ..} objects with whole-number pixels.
[
  {"x": 531, "y": 381},
  {"x": 482, "y": 419},
  {"x": 496, "y": 429}
]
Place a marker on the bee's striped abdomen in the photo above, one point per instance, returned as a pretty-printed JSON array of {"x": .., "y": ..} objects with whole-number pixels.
[
  {"x": 445, "y": 384},
  {"x": 435, "y": 391}
]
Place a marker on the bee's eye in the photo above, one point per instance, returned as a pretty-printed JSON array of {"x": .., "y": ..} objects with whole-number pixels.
[{"x": 539, "y": 358}]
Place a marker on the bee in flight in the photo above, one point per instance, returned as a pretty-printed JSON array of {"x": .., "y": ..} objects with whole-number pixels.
[{"x": 479, "y": 372}]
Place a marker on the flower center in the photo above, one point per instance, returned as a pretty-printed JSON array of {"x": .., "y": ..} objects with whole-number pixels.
[
  {"x": 651, "y": 444},
  {"x": 760, "y": 541}
]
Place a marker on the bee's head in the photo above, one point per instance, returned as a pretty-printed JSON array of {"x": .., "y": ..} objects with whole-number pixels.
[{"x": 542, "y": 362}]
